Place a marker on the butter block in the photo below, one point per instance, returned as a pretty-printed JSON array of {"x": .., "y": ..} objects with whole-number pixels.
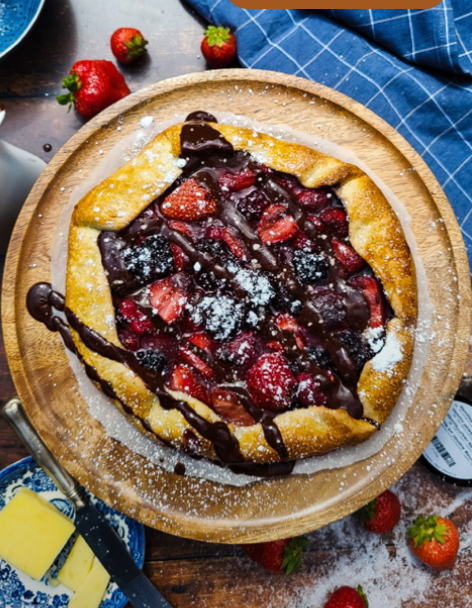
[
  {"x": 91, "y": 592},
  {"x": 32, "y": 533},
  {"x": 77, "y": 566}
]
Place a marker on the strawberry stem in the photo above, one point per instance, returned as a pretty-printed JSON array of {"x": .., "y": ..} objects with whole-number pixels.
[
  {"x": 217, "y": 35},
  {"x": 361, "y": 592},
  {"x": 73, "y": 85},
  {"x": 136, "y": 47},
  {"x": 427, "y": 528},
  {"x": 293, "y": 555},
  {"x": 367, "y": 512}
]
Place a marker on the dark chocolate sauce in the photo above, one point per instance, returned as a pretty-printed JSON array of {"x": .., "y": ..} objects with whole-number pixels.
[{"x": 207, "y": 154}]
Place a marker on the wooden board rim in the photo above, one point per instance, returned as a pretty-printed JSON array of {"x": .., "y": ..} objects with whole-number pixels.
[{"x": 274, "y": 529}]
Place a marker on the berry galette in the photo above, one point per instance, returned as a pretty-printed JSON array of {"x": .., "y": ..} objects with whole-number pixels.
[{"x": 241, "y": 298}]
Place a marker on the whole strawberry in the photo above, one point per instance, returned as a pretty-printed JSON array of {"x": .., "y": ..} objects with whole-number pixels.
[
  {"x": 348, "y": 597},
  {"x": 128, "y": 44},
  {"x": 93, "y": 86},
  {"x": 435, "y": 541},
  {"x": 279, "y": 555},
  {"x": 381, "y": 514},
  {"x": 218, "y": 46}
]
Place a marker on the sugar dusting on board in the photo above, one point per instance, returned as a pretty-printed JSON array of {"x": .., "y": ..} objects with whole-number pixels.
[{"x": 115, "y": 423}]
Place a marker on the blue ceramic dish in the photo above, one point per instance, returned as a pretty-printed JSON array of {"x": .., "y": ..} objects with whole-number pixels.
[
  {"x": 17, "y": 590},
  {"x": 17, "y": 17}
]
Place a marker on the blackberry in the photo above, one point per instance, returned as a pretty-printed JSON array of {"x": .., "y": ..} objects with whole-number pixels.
[
  {"x": 252, "y": 206},
  {"x": 320, "y": 357},
  {"x": 221, "y": 316},
  {"x": 151, "y": 359},
  {"x": 285, "y": 302},
  {"x": 150, "y": 259},
  {"x": 310, "y": 267},
  {"x": 358, "y": 347},
  {"x": 217, "y": 249},
  {"x": 208, "y": 281}
]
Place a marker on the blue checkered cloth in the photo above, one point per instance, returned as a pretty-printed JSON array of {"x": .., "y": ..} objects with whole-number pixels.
[{"x": 412, "y": 67}]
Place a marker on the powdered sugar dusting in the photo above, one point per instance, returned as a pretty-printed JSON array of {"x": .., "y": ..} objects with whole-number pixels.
[
  {"x": 120, "y": 428},
  {"x": 389, "y": 356}
]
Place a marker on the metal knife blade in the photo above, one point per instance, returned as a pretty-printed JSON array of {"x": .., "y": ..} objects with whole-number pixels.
[
  {"x": 107, "y": 546},
  {"x": 93, "y": 526}
]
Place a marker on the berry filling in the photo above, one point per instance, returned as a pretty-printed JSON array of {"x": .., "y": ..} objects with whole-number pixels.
[{"x": 239, "y": 287}]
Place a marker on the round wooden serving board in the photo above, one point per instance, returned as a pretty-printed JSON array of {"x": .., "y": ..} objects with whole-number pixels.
[{"x": 200, "y": 509}]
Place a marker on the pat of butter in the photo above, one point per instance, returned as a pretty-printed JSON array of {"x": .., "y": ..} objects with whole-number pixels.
[
  {"x": 32, "y": 533},
  {"x": 77, "y": 566},
  {"x": 91, "y": 592}
]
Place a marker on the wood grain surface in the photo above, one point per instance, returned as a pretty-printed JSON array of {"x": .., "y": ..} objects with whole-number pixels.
[{"x": 190, "y": 573}]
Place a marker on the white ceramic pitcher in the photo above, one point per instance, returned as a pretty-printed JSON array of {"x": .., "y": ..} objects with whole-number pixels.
[{"x": 18, "y": 172}]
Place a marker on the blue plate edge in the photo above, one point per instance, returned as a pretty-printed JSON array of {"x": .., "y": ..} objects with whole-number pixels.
[
  {"x": 26, "y": 31},
  {"x": 138, "y": 526}
]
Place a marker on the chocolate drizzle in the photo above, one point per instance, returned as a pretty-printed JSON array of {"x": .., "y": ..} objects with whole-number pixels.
[{"x": 207, "y": 154}]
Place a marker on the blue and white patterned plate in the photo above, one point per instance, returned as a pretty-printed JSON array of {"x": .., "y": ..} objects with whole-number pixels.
[
  {"x": 17, "y": 590},
  {"x": 17, "y": 17}
]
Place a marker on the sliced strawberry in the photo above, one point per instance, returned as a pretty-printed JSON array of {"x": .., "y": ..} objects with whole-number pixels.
[
  {"x": 270, "y": 382},
  {"x": 130, "y": 341},
  {"x": 188, "y": 202},
  {"x": 227, "y": 405},
  {"x": 313, "y": 200},
  {"x": 139, "y": 322},
  {"x": 286, "y": 322},
  {"x": 194, "y": 360},
  {"x": 185, "y": 381},
  {"x": 236, "y": 244},
  {"x": 181, "y": 261},
  {"x": 346, "y": 255},
  {"x": 238, "y": 181},
  {"x": 302, "y": 242},
  {"x": 215, "y": 232},
  {"x": 372, "y": 293},
  {"x": 308, "y": 391},
  {"x": 180, "y": 227},
  {"x": 320, "y": 225},
  {"x": 170, "y": 296},
  {"x": 336, "y": 220},
  {"x": 275, "y": 347},
  {"x": 276, "y": 225},
  {"x": 241, "y": 352},
  {"x": 129, "y": 310},
  {"x": 231, "y": 237},
  {"x": 203, "y": 341}
]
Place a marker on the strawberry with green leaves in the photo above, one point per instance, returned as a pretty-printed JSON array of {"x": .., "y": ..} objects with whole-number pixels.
[
  {"x": 128, "y": 44},
  {"x": 381, "y": 514},
  {"x": 93, "y": 85},
  {"x": 348, "y": 597},
  {"x": 281, "y": 556},
  {"x": 435, "y": 541},
  {"x": 218, "y": 46}
]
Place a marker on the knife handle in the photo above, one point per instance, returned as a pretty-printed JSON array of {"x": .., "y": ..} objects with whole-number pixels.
[{"x": 14, "y": 413}]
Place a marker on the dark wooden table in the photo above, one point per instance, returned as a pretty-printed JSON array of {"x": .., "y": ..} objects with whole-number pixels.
[{"x": 191, "y": 573}]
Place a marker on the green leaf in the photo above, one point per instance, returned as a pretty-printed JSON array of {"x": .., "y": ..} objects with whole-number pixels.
[
  {"x": 367, "y": 512},
  {"x": 427, "y": 528},
  {"x": 361, "y": 592},
  {"x": 217, "y": 35},
  {"x": 293, "y": 555},
  {"x": 136, "y": 47}
]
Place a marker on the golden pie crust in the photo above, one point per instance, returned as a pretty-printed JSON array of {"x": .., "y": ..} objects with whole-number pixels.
[{"x": 374, "y": 231}]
